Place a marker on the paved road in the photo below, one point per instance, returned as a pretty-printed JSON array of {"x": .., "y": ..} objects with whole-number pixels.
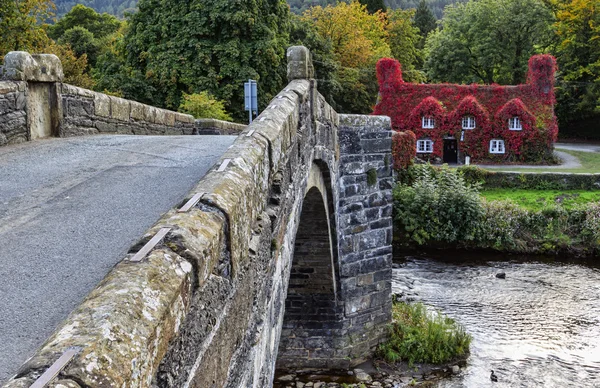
[
  {"x": 578, "y": 147},
  {"x": 69, "y": 211}
]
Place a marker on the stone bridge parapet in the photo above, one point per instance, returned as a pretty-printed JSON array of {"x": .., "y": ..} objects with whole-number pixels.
[{"x": 282, "y": 256}]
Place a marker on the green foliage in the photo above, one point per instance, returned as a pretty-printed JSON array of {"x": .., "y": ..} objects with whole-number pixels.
[
  {"x": 82, "y": 42},
  {"x": 203, "y": 105},
  {"x": 438, "y": 206},
  {"x": 100, "y": 25},
  {"x": 424, "y": 19},
  {"x": 578, "y": 54},
  {"x": 487, "y": 41},
  {"x": 21, "y": 25},
  {"x": 570, "y": 224},
  {"x": 404, "y": 41},
  {"x": 374, "y": 5},
  {"x": 417, "y": 335},
  {"x": 113, "y": 7},
  {"x": 210, "y": 45},
  {"x": 540, "y": 199}
]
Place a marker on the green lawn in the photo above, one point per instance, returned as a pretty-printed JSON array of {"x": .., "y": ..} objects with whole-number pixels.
[
  {"x": 590, "y": 163},
  {"x": 538, "y": 199}
]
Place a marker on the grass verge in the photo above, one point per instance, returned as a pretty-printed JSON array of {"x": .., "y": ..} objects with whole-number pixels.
[
  {"x": 420, "y": 336},
  {"x": 539, "y": 199}
]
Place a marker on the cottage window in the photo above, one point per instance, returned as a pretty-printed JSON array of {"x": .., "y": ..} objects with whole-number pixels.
[
  {"x": 514, "y": 124},
  {"x": 468, "y": 122},
  {"x": 425, "y": 146},
  {"x": 428, "y": 122},
  {"x": 497, "y": 147}
]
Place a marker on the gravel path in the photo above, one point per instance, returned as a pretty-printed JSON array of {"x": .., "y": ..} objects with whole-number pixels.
[{"x": 69, "y": 211}]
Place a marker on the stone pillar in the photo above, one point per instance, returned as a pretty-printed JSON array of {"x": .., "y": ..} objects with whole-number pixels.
[
  {"x": 43, "y": 74},
  {"x": 365, "y": 231}
]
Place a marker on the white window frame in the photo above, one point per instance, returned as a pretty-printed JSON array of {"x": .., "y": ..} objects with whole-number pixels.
[
  {"x": 497, "y": 146},
  {"x": 425, "y": 146},
  {"x": 468, "y": 122},
  {"x": 427, "y": 122},
  {"x": 514, "y": 124}
]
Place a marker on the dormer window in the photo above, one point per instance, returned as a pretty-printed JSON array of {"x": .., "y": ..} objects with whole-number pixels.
[
  {"x": 514, "y": 124},
  {"x": 424, "y": 146},
  {"x": 468, "y": 122},
  {"x": 428, "y": 122}
]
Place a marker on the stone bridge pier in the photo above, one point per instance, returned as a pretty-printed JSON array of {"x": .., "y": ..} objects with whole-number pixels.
[{"x": 283, "y": 259}]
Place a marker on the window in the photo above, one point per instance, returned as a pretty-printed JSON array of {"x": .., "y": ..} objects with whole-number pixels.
[
  {"x": 496, "y": 146},
  {"x": 424, "y": 146},
  {"x": 468, "y": 122},
  {"x": 514, "y": 124},
  {"x": 428, "y": 122}
]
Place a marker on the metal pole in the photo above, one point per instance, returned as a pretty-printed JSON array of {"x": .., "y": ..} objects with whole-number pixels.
[{"x": 250, "y": 100}]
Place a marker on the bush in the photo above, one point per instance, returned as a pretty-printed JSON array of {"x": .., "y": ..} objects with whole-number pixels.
[
  {"x": 204, "y": 106},
  {"x": 438, "y": 206},
  {"x": 404, "y": 149},
  {"x": 417, "y": 335}
]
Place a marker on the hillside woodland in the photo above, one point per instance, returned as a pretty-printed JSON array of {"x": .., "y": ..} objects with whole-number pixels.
[{"x": 204, "y": 50}]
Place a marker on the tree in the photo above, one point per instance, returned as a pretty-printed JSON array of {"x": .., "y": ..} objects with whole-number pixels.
[
  {"x": 403, "y": 39},
  {"x": 100, "y": 25},
  {"x": 305, "y": 33},
  {"x": 488, "y": 41},
  {"x": 203, "y": 105},
  {"x": 578, "y": 55},
  {"x": 82, "y": 42},
  {"x": 21, "y": 24},
  {"x": 210, "y": 45},
  {"x": 424, "y": 19},
  {"x": 74, "y": 67},
  {"x": 358, "y": 38},
  {"x": 374, "y": 5}
]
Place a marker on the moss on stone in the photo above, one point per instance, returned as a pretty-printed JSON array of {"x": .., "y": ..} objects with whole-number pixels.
[{"x": 372, "y": 177}]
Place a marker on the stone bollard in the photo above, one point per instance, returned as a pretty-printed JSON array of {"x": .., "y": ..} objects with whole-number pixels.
[{"x": 300, "y": 64}]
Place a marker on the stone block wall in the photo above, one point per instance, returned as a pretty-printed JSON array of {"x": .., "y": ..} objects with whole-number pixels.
[
  {"x": 85, "y": 112},
  {"x": 365, "y": 228},
  {"x": 218, "y": 127},
  {"x": 13, "y": 112}
]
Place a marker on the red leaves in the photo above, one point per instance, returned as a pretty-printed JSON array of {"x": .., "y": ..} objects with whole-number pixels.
[
  {"x": 404, "y": 149},
  {"x": 491, "y": 106}
]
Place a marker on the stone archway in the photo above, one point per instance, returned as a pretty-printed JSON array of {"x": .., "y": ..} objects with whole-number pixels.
[{"x": 312, "y": 306}]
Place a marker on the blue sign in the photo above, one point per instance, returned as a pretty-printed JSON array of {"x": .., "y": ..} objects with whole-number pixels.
[{"x": 251, "y": 96}]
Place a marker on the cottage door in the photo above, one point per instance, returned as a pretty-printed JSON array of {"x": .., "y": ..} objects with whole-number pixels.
[{"x": 450, "y": 151}]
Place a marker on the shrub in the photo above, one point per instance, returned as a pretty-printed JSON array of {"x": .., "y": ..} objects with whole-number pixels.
[
  {"x": 404, "y": 149},
  {"x": 204, "y": 105},
  {"x": 417, "y": 335},
  {"x": 438, "y": 206}
]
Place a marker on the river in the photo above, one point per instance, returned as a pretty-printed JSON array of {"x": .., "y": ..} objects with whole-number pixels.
[{"x": 539, "y": 327}]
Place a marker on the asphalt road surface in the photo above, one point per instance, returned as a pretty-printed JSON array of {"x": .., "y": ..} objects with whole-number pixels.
[{"x": 70, "y": 209}]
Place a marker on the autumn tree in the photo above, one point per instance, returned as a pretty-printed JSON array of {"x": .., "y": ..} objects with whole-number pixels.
[
  {"x": 578, "y": 53},
  {"x": 358, "y": 37},
  {"x": 487, "y": 41},
  {"x": 21, "y": 25},
  {"x": 403, "y": 39}
]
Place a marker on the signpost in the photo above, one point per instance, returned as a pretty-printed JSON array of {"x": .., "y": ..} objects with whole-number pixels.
[{"x": 251, "y": 98}]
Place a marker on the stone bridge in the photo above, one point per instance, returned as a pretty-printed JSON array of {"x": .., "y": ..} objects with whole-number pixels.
[{"x": 280, "y": 256}]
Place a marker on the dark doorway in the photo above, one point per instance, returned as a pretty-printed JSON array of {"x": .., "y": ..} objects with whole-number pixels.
[{"x": 450, "y": 151}]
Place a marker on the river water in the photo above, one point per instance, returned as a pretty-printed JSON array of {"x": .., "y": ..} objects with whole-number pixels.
[{"x": 539, "y": 327}]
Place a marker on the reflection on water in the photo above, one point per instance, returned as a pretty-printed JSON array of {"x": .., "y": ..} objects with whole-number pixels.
[{"x": 539, "y": 327}]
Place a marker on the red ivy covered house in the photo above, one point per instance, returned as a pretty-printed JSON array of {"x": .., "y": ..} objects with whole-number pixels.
[{"x": 488, "y": 123}]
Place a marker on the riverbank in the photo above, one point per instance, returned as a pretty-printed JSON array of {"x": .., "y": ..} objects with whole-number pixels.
[
  {"x": 373, "y": 374},
  {"x": 442, "y": 208}
]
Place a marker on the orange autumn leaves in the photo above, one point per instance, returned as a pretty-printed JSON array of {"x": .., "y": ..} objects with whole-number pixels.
[{"x": 358, "y": 38}]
